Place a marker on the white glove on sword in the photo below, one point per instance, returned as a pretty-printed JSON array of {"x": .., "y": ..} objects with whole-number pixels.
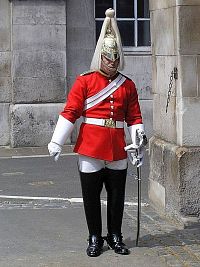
[{"x": 136, "y": 149}]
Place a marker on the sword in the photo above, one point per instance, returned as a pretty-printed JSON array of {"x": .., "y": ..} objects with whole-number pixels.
[
  {"x": 139, "y": 136},
  {"x": 139, "y": 203}
]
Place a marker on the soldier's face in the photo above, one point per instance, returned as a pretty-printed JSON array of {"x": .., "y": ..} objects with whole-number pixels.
[{"x": 108, "y": 66}]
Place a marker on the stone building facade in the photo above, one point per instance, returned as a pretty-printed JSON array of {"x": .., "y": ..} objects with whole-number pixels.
[{"x": 44, "y": 45}]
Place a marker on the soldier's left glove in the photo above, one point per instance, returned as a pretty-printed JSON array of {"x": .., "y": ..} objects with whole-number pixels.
[
  {"x": 139, "y": 140},
  {"x": 135, "y": 156},
  {"x": 138, "y": 135}
]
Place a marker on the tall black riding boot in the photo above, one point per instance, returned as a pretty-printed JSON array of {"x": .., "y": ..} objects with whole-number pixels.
[
  {"x": 115, "y": 182},
  {"x": 92, "y": 184}
]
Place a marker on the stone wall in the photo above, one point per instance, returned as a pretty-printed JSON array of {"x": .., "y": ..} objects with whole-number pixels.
[
  {"x": 139, "y": 69},
  {"x": 174, "y": 185},
  {"x": 80, "y": 43},
  {"x": 32, "y": 70},
  {"x": 5, "y": 71},
  {"x": 39, "y": 69},
  {"x": 174, "y": 150}
]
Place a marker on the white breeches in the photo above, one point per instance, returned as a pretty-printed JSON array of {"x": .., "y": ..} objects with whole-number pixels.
[{"x": 88, "y": 164}]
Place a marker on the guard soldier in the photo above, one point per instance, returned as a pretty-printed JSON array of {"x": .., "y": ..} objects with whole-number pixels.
[{"x": 105, "y": 99}]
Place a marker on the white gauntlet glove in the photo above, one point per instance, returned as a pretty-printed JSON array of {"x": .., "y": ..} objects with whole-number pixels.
[
  {"x": 136, "y": 156},
  {"x": 61, "y": 133},
  {"x": 139, "y": 140},
  {"x": 54, "y": 150}
]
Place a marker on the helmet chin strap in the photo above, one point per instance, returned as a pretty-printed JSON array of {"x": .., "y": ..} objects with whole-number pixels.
[{"x": 106, "y": 74}]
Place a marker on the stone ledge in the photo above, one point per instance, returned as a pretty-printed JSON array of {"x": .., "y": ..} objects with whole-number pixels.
[{"x": 175, "y": 170}]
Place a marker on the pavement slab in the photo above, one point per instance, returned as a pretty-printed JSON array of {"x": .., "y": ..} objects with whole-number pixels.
[{"x": 57, "y": 236}]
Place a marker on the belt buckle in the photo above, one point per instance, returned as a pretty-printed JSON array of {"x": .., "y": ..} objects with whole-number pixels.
[{"x": 109, "y": 123}]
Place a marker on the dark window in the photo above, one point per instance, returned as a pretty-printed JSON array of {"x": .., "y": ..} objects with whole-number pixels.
[
  {"x": 125, "y": 9},
  {"x": 144, "y": 33},
  {"x": 133, "y": 20},
  {"x": 126, "y": 29},
  {"x": 143, "y": 9},
  {"x": 101, "y": 7}
]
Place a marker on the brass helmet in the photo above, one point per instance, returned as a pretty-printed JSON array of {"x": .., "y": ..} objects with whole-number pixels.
[
  {"x": 109, "y": 47},
  {"x": 109, "y": 42}
]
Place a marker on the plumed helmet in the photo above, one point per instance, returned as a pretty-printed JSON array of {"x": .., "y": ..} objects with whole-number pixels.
[{"x": 109, "y": 42}]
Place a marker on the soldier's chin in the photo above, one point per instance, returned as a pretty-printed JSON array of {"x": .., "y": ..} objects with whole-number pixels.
[{"x": 111, "y": 71}]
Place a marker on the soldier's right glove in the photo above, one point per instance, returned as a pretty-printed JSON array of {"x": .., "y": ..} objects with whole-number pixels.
[
  {"x": 54, "y": 150},
  {"x": 62, "y": 131}
]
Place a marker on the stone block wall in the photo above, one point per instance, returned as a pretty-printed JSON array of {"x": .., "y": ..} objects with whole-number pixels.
[
  {"x": 139, "y": 69},
  {"x": 165, "y": 58},
  {"x": 188, "y": 89},
  {"x": 5, "y": 71},
  {"x": 32, "y": 70},
  {"x": 80, "y": 43},
  {"x": 33, "y": 124},
  {"x": 174, "y": 180},
  {"x": 174, "y": 184},
  {"x": 38, "y": 69},
  {"x": 176, "y": 43}
]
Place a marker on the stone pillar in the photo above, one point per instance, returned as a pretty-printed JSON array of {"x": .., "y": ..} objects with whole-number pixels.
[
  {"x": 38, "y": 69},
  {"x": 5, "y": 71},
  {"x": 174, "y": 186}
]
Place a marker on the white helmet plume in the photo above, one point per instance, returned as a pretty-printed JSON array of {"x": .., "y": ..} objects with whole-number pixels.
[{"x": 109, "y": 23}]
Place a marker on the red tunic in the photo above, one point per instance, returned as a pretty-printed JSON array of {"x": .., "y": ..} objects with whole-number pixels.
[{"x": 98, "y": 141}]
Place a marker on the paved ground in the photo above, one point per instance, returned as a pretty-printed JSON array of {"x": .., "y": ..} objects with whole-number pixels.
[{"x": 43, "y": 224}]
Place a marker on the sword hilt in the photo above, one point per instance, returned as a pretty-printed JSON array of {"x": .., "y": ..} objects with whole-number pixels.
[{"x": 131, "y": 146}]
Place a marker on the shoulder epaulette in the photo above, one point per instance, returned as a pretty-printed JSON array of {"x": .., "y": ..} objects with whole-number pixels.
[
  {"x": 125, "y": 76},
  {"x": 87, "y": 72}
]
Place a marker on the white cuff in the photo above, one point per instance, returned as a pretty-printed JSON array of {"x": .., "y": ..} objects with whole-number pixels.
[{"x": 62, "y": 131}]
